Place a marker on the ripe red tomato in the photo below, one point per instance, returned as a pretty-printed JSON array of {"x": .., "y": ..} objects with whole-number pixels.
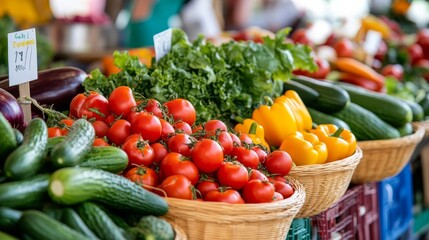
[
  {"x": 245, "y": 138},
  {"x": 285, "y": 189},
  {"x": 181, "y": 109},
  {"x": 111, "y": 119},
  {"x": 344, "y": 47},
  {"x": 181, "y": 126},
  {"x": 139, "y": 152},
  {"x": 246, "y": 156},
  {"x": 277, "y": 196},
  {"x": 175, "y": 163},
  {"x": 415, "y": 52},
  {"x": 278, "y": 162},
  {"x": 54, "y": 132},
  {"x": 381, "y": 51},
  {"x": 211, "y": 126},
  {"x": 65, "y": 125},
  {"x": 144, "y": 176},
  {"x": 99, "y": 142},
  {"x": 228, "y": 196},
  {"x": 121, "y": 101},
  {"x": 101, "y": 128},
  {"x": 207, "y": 155},
  {"x": 95, "y": 106},
  {"x": 256, "y": 191},
  {"x": 262, "y": 155},
  {"x": 225, "y": 140},
  {"x": 300, "y": 36},
  {"x": 181, "y": 143},
  {"x": 119, "y": 131},
  {"x": 422, "y": 39},
  {"x": 323, "y": 69},
  {"x": 232, "y": 174},
  {"x": 394, "y": 70},
  {"x": 160, "y": 151},
  {"x": 256, "y": 174},
  {"x": 167, "y": 129},
  {"x": 177, "y": 186},
  {"x": 154, "y": 107},
  {"x": 236, "y": 142},
  {"x": 147, "y": 125},
  {"x": 206, "y": 186},
  {"x": 76, "y": 104}
]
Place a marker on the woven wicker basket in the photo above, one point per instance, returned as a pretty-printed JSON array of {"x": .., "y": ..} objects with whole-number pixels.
[
  {"x": 386, "y": 158},
  {"x": 424, "y": 125},
  {"x": 214, "y": 220},
  {"x": 325, "y": 183}
]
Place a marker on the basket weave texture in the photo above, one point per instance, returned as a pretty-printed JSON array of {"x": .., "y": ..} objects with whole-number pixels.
[
  {"x": 324, "y": 184},
  {"x": 425, "y": 125},
  {"x": 215, "y": 220},
  {"x": 386, "y": 158}
]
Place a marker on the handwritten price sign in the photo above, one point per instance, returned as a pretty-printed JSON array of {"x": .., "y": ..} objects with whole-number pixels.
[
  {"x": 22, "y": 50},
  {"x": 162, "y": 43}
]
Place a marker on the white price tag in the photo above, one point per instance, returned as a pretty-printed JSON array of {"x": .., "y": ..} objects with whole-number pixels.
[
  {"x": 22, "y": 54},
  {"x": 372, "y": 42},
  {"x": 162, "y": 43}
]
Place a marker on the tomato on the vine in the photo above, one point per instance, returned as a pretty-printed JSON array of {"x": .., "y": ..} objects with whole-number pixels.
[
  {"x": 139, "y": 151},
  {"x": 224, "y": 195},
  {"x": 278, "y": 162},
  {"x": 144, "y": 176},
  {"x": 236, "y": 142},
  {"x": 278, "y": 196},
  {"x": 232, "y": 174},
  {"x": 262, "y": 154},
  {"x": 167, "y": 129},
  {"x": 183, "y": 126},
  {"x": 206, "y": 186},
  {"x": 154, "y": 107},
  {"x": 181, "y": 109},
  {"x": 121, "y": 101},
  {"x": 225, "y": 140},
  {"x": 175, "y": 163},
  {"x": 285, "y": 189},
  {"x": 101, "y": 128},
  {"x": 147, "y": 125},
  {"x": 207, "y": 155},
  {"x": 95, "y": 106},
  {"x": 245, "y": 138},
  {"x": 65, "y": 125},
  {"x": 160, "y": 151},
  {"x": 246, "y": 156},
  {"x": 256, "y": 174},
  {"x": 181, "y": 143},
  {"x": 54, "y": 132},
  {"x": 76, "y": 104},
  {"x": 257, "y": 191},
  {"x": 211, "y": 126},
  {"x": 177, "y": 186},
  {"x": 119, "y": 131},
  {"x": 100, "y": 142}
]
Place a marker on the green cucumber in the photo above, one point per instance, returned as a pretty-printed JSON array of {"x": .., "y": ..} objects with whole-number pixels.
[
  {"x": 307, "y": 94},
  {"x": 107, "y": 158},
  {"x": 5, "y": 236},
  {"x": 9, "y": 218},
  {"x": 331, "y": 97},
  {"x": 424, "y": 103},
  {"x": 365, "y": 125},
  {"x": 52, "y": 142},
  {"x": 405, "y": 130},
  {"x": 26, "y": 160},
  {"x": 74, "y": 221},
  {"x": 18, "y": 136},
  {"x": 77, "y": 143},
  {"x": 323, "y": 118},
  {"x": 416, "y": 109},
  {"x": 74, "y": 185},
  {"x": 53, "y": 210},
  {"x": 390, "y": 109},
  {"x": 8, "y": 139},
  {"x": 38, "y": 225},
  {"x": 24, "y": 194},
  {"x": 151, "y": 227},
  {"x": 99, "y": 222}
]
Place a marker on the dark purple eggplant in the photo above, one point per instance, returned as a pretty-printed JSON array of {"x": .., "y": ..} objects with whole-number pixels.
[
  {"x": 54, "y": 87},
  {"x": 11, "y": 109}
]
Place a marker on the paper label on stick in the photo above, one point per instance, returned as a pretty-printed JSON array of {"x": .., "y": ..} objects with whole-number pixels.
[
  {"x": 22, "y": 56},
  {"x": 162, "y": 43}
]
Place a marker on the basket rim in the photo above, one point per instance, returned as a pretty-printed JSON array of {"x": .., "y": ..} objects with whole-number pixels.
[
  {"x": 297, "y": 198},
  {"x": 348, "y": 163},
  {"x": 417, "y": 136}
]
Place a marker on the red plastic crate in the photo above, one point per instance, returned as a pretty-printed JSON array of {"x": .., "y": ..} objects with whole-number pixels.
[
  {"x": 368, "y": 221},
  {"x": 341, "y": 219}
]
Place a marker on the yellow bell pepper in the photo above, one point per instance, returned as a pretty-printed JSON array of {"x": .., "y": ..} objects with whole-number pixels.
[
  {"x": 254, "y": 130},
  {"x": 340, "y": 142},
  {"x": 305, "y": 148},
  {"x": 294, "y": 101},
  {"x": 277, "y": 120}
]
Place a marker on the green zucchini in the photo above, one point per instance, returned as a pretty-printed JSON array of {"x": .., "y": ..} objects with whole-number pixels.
[
  {"x": 365, "y": 125},
  {"x": 322, "y": 118},
  {"x": 107, "y": 158},
  {"x": 26, "y": 160},
  {"x": 38, "y": 225},
  {"x": 74, "y": 185},
  {"x": 53, "y": 210},
  {"x": 390, "y": 109},
  {"x": 405, "y": 130},
  {"x": 99, "y": 222},
  {"x": 331, "y": 97},
  {"x": 18, "y": 136},
  {"x": 417, "y": 110},
  {"x": 5, "y": 236},
  {"x": 74, "y": 221},
  {"x": 9, "y": 218},
  {"x": 307, "y": 94},
  {"x": 77, "y": 143},
  {"x": 8, "y": 139},
  {"x": 24, "y": 194},
  {"x": 151, "y": 227}
]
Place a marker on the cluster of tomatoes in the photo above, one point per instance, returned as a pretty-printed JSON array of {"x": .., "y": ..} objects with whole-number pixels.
[{"x": 170, "y": 155}]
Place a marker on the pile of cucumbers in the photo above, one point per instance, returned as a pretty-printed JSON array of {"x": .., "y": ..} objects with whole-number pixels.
[
  {"x": 369, "y": 115},
  {"x": 64, "y": 188}
]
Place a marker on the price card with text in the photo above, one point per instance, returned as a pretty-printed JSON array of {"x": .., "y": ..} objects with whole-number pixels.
[
  {"x": 22, "y": 50},
  {"x": 162, "y": 43}
]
